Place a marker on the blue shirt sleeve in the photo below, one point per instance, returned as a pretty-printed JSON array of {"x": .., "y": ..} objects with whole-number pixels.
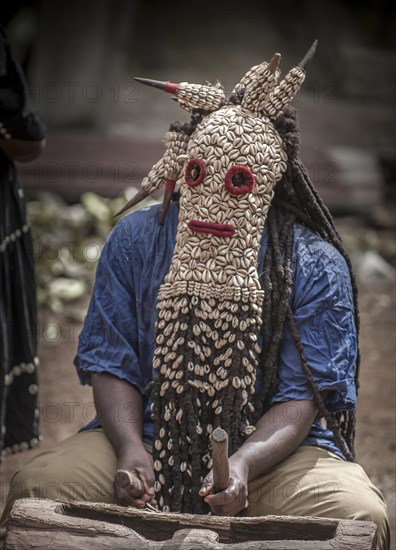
[
  {"x": 108, "y": 341},
  {"x": 324, "y": 315}
]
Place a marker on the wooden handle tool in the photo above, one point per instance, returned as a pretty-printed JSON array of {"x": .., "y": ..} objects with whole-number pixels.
[
  {"x": 133, "y": 485},
  {"x": 221, "y": 468}
]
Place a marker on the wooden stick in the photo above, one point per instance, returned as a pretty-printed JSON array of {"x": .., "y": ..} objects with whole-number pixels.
[
  {"x": 221, "y": 468},
  {"x": 133, "y": 485}
]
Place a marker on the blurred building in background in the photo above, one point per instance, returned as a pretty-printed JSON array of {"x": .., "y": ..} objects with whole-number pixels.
[{"x": 106, "y": 130}]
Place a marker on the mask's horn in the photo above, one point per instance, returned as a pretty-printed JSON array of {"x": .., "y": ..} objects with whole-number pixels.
[
  {"x": 274, "y": 63},
  {"x": 207, "y": 97},
  {"x": 140, "y": 195},
  {"x": 308, "y": 56},
  {"x": 165, "y": 171},
  {"x": 260, "y": 82},
  {"x": 289, "y": 87},
  {"x": 169, "y": 87}
]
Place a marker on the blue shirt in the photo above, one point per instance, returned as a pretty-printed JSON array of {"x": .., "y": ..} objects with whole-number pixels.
[{"x": 119, "y": 330}]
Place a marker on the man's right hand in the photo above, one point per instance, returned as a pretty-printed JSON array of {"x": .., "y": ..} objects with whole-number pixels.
[
  {"x": 124, "y": 430},
  {"x": 139, "y": 464}
]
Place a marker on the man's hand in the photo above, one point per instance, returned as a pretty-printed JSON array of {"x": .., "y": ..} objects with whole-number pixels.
[
  {"x": 138, "y": 463},
  {"x": 278, "y": 434},
  {"x": 234, "y": 499}
]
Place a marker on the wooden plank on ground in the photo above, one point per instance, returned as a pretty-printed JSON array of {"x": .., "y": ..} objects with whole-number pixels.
[{"x": 36, "y": 523}]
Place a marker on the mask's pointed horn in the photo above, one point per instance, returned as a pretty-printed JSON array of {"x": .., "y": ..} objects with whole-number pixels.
[
  {"x": 274, "y": 63},
  {"x": 308, "y": 56},
  {"x": 190, "y": 96},
  {"x": 140, "y": 195},
  {"x": 259, "y": 83},
  {"x": 289, "y": 87},
  {"x": 169, "y": 87}
]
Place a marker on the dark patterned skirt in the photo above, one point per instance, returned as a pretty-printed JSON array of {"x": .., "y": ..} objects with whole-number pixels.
[{"x": 18, "y": 322}]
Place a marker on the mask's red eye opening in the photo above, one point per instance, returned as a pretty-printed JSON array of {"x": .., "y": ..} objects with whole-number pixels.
[
  {"x": 195, "y": 172},
  {"x": 239, "y": 180}
]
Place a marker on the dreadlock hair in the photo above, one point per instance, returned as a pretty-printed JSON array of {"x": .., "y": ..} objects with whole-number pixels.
[
  {"x": 296, "y": 201},
  {"x": 188, "y": 127}
]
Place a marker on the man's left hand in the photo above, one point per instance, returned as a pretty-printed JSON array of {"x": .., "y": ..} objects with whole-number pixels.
[{"x": 234, "y": 498}]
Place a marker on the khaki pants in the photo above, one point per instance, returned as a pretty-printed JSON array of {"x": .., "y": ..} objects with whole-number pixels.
[{"x": 312, "y": 482}]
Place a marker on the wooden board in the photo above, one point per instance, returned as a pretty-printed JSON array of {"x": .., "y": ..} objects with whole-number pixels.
[{"x": 36, "y": 523}]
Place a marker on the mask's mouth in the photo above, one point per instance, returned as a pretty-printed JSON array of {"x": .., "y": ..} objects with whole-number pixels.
[{"x": 218, "y": 229}]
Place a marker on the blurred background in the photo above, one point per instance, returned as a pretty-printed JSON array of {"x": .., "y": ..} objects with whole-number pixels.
[{"x": 105, "y": 132}]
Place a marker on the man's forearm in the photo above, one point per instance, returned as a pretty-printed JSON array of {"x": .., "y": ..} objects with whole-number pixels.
[
  {"x": 278, "y": 433},
  {"x": 119, "y": 407}
]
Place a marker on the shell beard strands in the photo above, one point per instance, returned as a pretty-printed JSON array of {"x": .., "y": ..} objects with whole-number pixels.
[
  {"x": 206, "y": 379},
  {"x": 210, "y": 304}
]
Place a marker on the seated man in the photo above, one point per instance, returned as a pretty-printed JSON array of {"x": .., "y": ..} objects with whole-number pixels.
[{"x": 233, "y": 306}]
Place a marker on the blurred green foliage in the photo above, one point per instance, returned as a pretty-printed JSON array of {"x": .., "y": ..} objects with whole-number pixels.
[{"x": 67, "y": 242}]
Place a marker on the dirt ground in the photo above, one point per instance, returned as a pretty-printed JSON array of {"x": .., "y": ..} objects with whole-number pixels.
[
  {"x": 66, "y": 406},
  {"x": 376, "y": 443}
]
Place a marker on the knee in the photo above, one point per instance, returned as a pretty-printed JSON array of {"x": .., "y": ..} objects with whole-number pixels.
[
  {"x": 24, "y": 484},
  {"x": 375, "y": 511},
  {"x": 31, "y": 482},
  {"x": 368, "y": 506},
  {"x": 53, "y": 481}
]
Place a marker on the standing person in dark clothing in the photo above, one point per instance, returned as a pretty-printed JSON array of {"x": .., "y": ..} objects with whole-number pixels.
[{"x": 21, "y": 139}]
